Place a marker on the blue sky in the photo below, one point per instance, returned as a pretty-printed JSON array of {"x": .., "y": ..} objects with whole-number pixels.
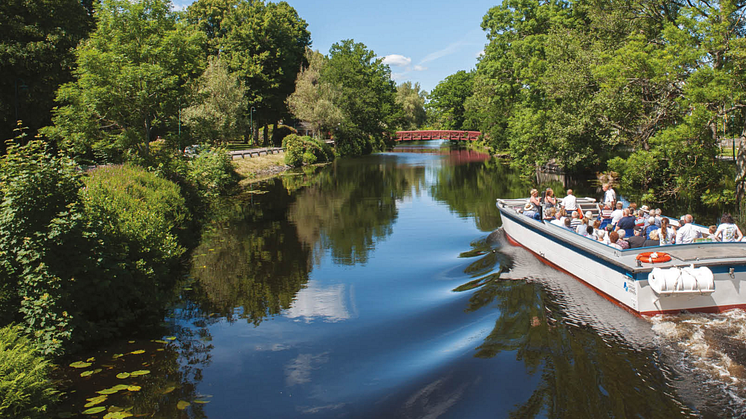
[{"x": 423, "y": 41}]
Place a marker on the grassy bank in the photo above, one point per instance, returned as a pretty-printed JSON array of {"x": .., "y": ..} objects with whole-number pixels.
[{"x": 255, "y": 169}]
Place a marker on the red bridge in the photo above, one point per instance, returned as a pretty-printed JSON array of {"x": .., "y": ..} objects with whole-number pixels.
[{"x": 436, "y": 135}]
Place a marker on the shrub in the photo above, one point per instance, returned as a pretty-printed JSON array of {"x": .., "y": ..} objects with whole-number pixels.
[
  {"x": 211, "y": 172},
  {"x": 25, "y": 389},
  {"x": 282, "y": 131},
  {"x": 305, "y": 150}
]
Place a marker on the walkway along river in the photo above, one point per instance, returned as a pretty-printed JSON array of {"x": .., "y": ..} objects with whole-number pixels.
[{"x": 383, "y": 287}]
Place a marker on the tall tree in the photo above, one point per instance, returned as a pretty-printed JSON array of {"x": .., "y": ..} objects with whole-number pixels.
[
  {"x": 264, "y": 44},
  {"x": 447, "y": 100},
  {"x": 412, "y": 102},
  {"x": 130, "y": 80},
  {"x": 37, "y": 39},
  {"x": 367, "y": 97},
  {"x": 218, "y": 115},
  {"x": 313, "y": 99}
]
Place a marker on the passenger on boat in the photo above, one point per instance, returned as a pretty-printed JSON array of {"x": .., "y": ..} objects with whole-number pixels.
[
  {"x": 609, "y": 195},
  {"x": 650, "y": 227},
  {"x": 613, "y": 238},
  {"x": 583, "y": 226},
  {"x": 533, "y": 205},
  {"x": 712, "y": 230},
  {"x": 638, "y": 240},
  {"x": 602, "y": 236},
  {"x": 667, "y": 235},
  {"x": 549, "y": 214},
  {"x": 728, "y": 231},
  {"x": 575, "y": 220},
  {"x": 568, "y": 224},
  {"x": 658, "y": 217},
  {"x": 689, "y": 232},
  {"x": 627, "y": 223},
  {"x": 570, "y": 203},
  {"x": 617, "y": 214},
  {"x": 622, "y": 242},
  {"x": 589, "y": 232},
  {"x": 559, "y": 218},
  {"x": 549, "y": 200}
]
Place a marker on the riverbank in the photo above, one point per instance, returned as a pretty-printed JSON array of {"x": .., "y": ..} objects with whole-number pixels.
[{"x": 259, "y": 168}]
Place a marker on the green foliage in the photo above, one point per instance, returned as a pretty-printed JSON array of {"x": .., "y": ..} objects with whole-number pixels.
[
  {"x": 313, "y": 100},
  {"x": 37, "y": 39},
  {"x": 25, "y": 388},
  {"x": 367, "y": 97},
  {"x": 305, "y": 150},
  {"x": 446, "y": 106},
  {"x": 131, "y": 77},
  {"x": 211, "y": 172},
  {"x": 41, "y": 235},
  {"x": 217, "y": 116},
  {"x": 264, "y": 44},
  {"x": 412, "y": 102},
  {"x": 280, "y": 132}
]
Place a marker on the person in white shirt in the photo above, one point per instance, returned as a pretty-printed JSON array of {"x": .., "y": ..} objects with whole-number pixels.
[
  {"x": 617, "y": 214},
  {"x": 689, "y": 232},
  {"x": 728, "y": 231},
  {"x": 609, "y": 195},
  {"x": 570, "y": 203}
]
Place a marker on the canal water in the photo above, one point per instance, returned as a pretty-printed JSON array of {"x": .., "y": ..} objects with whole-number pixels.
[{"x": 383, "y": 287}]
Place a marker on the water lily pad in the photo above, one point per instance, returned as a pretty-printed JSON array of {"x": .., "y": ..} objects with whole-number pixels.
[
  {"x": 181, "y": 405},
  {"x": 94, "y": 410},
  {"x": 138, "y": 352},
  {"x": 120, "y": 387},
  {"x": 86, "y": 373},
  {"x": 131, "y": 341},
  {"x": 118, "y": 415},
  {"x": 80, "y": 364},
  {"x": 123, "y": 375},
  {"x": 107, "y": 391},
  {"x": 139, "y": 373},
  {"x": 91, "y": 359},
  {"x": 115, "y": 356},
  {"x": 160, "y": 350},
  {"x": 134, "y": 388},
  {"x": 169, "y": 389},
  {"x": 170, "y": 337},
  {"x": 96, "y": 400},
  {"x": 201, "y": 401},
  {"x": 160, "y": 341}
]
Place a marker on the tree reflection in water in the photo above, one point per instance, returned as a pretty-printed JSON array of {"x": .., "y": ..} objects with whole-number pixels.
[{"x": 584, "y": 372}]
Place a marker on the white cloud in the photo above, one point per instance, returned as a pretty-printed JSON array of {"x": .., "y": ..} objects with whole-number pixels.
[
  {"x": 480, "y": 54},
  {"x": 398, "y": 76},
  {"x": 397, "y": 60},
  {"x": 419, "y": 68},
  {"x": 450, "y": 49}
]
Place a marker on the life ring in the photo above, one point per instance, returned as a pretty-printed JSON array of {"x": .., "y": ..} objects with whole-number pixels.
[{"x": 653, "y": 257}]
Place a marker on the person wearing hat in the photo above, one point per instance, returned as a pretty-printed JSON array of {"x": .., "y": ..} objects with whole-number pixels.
[{"x": 638, "y": 240}]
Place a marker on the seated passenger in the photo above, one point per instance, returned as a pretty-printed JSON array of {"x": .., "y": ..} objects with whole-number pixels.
[
  {"x": 617, "y": 214},
  {"x": 570, "y": 203},
  {"x": 638, "y": 240},
  {"x": 575, "y": 221},
  {"x": 606, "y": 211},
  {"x": 528, "y": 210},
  {"x": 650, "y": 227},
  {"x": 626, "y": 223},
  {"x": 728, "y": 231},
  {"x": 622, "y": 242},
  {"x": 667, "y": 235},
  {"x": 549, "y": 200},
  {"x": 658, "y": 217},
  {"x": 533, "y": 206},
  {"x": 613, "y": 238},
  {"x": 549, "y": 214},
  {"x": 711, "y": 231},
  {"x": 688, "y": 232},
  {"x": 568, "y": 224}
]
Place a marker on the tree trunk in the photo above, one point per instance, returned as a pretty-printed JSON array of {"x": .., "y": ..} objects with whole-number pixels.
[{"x": 265, "y": 140}]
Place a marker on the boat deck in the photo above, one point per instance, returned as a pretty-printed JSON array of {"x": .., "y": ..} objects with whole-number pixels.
[{"x": 710, "y": 253}]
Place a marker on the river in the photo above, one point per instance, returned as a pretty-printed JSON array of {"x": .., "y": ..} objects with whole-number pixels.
[{"x": 383, "y": 287}]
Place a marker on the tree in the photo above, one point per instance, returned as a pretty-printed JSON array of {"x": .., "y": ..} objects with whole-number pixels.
[
  {"x": 264, "y": 44},
  {"x": 313, "y": 99},
  {"x": 447, "y": 100},
  {"x": 218, "y": 114},
  {"x": 37, "y": 39},
  {"x": 367, "y": 97},
  {"x": 208, "y": 16},
  {"x": 129, "y": 81},
  {"x": 412, "y": 102}
]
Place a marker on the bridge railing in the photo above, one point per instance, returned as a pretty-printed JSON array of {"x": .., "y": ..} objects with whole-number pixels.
[{"x": 425, "y": 135}]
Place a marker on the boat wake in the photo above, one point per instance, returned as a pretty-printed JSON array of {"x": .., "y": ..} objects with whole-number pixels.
[{"x": 712, "y": 348}]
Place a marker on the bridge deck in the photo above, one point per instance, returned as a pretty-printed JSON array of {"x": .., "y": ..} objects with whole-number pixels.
[{"x": 425, "y": 135}]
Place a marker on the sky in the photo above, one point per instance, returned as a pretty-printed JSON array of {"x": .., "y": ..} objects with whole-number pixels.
[{"x": 422, "y": 41}]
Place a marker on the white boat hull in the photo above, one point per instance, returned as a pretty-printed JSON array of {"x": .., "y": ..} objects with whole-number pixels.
[{"x": 615, "y": 274}]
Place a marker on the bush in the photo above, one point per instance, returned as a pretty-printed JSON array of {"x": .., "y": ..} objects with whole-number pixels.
[
  {"x": 211, "y": 172},
  {"x": 306, "y": 150},
  {"x": 279, "y": 134},
  {"x": 25, "y": 389}
]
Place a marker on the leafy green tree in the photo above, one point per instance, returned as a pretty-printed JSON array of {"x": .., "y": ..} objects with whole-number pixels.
[
  {"x": 208, "y": 16},
  {"x": 412, "y": 102},
  {"x": 313, "y": 99},
  {"x": 446, "y": 104},
  {"x": 264, "y": 44},
  {"x": 130, "y": 80},
  {"x": 37, "y": 39},
  {"x": 218, "y": 115},
  {"x": 367, "y": 97}
]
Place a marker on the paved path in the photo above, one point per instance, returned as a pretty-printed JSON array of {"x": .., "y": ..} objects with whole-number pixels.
[{"x": 255, "y": 152}]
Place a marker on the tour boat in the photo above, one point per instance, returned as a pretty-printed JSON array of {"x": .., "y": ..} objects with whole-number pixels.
[{"x": 701, "y": 277}]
